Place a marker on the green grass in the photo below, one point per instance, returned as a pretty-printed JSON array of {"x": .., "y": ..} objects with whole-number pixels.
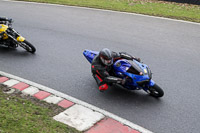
[
  {"x": 148, "y": 7},
  {"x": 18, "y": 115}
]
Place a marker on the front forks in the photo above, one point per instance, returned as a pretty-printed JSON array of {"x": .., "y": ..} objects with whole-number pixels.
[{"x": 149, "y": 85}]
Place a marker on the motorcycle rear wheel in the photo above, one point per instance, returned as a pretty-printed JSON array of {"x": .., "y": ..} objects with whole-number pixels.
[
  {"x": 28, "y": 46},
  {"x": 156, "y": 91}
]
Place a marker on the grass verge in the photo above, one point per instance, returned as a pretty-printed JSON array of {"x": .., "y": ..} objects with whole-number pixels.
[
  {"x": 186, "y": 12},
  {"x": 25, "y": 114}
]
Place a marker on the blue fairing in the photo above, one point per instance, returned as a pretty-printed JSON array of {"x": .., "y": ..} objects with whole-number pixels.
[
  {"x": 122, "y": 69},
  {"x": 151, "y": 83},
  {"x": 89, "y": 54},
  {"x": 138, "y": 73}
]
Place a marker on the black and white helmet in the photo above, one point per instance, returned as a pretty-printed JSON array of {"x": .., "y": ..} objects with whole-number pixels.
[{"x": 106, "y": 57}]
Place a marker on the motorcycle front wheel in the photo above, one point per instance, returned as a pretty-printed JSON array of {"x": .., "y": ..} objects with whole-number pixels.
[
  {"x": 156, "y": 91},
  {"x": 28, "y": 46}
]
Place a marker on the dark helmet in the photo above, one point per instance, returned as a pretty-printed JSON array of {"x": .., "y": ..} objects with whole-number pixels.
[{"x": 106, "y": 57}]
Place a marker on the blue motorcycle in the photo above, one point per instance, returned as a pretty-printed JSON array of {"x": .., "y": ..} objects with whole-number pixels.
[{"x": 138, "y": 75}]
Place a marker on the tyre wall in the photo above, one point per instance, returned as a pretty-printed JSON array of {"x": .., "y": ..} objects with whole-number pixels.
[{"x": 196, "y": 2}]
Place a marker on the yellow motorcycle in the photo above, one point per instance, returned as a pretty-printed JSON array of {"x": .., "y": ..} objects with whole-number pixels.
[{"x": 12, "y": 39}]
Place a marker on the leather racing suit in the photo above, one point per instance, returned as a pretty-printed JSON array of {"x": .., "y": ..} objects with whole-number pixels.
[{"x": 104, "y": 74}]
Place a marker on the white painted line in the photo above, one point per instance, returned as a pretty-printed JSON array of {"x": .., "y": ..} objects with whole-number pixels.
[
  {"x": 103, "y": 10},
  {"x": 79, "y": 117},
  {"x": 53, "y": 99},
  {"x": 74, "y": 100},
  {"x": 10, "y": 82},
  {"x": 30, "y": 91}
]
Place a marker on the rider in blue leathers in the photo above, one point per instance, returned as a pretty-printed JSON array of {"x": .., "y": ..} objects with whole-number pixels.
[{"x": 102, "y": 67}]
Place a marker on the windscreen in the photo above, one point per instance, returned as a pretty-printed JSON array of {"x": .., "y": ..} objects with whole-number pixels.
[{"x": 134, "y": 69}]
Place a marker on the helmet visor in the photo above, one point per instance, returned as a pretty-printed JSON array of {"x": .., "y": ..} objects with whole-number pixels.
[{"x": 107, "y": 62}]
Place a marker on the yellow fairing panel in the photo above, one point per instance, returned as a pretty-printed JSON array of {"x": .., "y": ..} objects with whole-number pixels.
[
  {"x": 20, "y": 39},
  {"x": 5, "y": 36},
  {"x": 3, "y": 28}
]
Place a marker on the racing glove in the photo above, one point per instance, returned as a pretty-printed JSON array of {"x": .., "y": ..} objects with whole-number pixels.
[
  {"x": 115, "y": 80},
  {"x": 138, "y": 59},
  {"x": 128, "y": 56}
]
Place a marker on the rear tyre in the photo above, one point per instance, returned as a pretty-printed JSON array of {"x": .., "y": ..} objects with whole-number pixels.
[
  {"x": 156, "y": 91},
  {"x": 28, "y": 46}
]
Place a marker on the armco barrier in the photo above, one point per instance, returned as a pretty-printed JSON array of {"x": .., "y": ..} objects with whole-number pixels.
[{"x": 196, "y": 2}]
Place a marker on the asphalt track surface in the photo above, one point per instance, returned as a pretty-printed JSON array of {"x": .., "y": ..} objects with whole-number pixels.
[{"x": 61, "y": 33}]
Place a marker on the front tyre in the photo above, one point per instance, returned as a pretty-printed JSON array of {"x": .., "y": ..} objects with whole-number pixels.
[
  {"x": 28, "y": 46},
  {"x": 156, "y": 91}
]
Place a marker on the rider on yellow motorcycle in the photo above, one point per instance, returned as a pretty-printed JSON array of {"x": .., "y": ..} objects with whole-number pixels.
[
  {"x": 3, "y": 20},
  {"x": 11, "y": 38}
]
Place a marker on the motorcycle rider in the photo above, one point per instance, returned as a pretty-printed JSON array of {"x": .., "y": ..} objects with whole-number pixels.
[
  {"x": 6, "y": 21},
  {"x": 102, "y": 68},
  {"x": 3, "y": 20}
]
